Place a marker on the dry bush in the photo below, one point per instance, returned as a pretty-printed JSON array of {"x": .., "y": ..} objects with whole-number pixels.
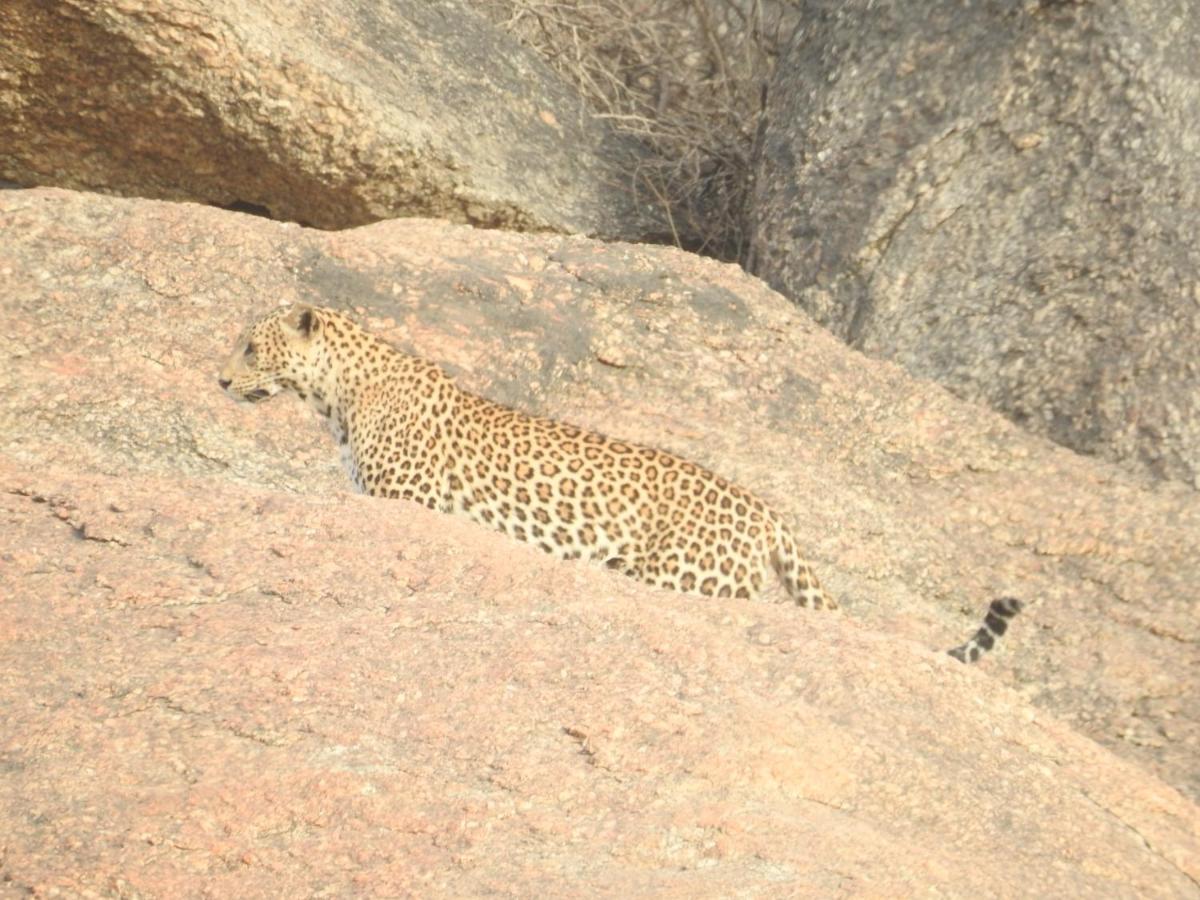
[{"x": 687, "y": 77}]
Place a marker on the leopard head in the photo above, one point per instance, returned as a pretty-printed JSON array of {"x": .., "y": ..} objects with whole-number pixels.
[{"x": 281, "y": 351}]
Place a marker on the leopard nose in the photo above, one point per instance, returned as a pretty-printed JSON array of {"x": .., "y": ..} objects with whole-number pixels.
[{"x": 224, "y": 383}]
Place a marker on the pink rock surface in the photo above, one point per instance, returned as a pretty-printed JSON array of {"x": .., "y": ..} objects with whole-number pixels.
[
  {"x": 222, "y": 672},
  {"x": 211, "y": 684}
]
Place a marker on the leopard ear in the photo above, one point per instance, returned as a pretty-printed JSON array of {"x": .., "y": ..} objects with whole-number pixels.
[{"x": 303, "y": 319}]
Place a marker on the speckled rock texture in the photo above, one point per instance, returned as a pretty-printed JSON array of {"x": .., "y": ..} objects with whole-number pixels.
[
  {"x": 1002, "y": 196},
  {"x": 222, "y": 671},
  {"x": 332, "y": 113}
]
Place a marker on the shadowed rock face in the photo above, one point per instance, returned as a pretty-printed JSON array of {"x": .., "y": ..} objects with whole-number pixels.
[
  {"x": 333, "y": 114},
  {"x": 1002, "y": 197},
  {"x": 221, "y": 667}
]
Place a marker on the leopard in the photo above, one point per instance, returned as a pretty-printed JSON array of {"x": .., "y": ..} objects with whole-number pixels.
[{"x": 406, "y": 431}]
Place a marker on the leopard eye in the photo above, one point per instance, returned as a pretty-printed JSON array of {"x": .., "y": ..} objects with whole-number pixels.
[{"x": 249, "y": 350}]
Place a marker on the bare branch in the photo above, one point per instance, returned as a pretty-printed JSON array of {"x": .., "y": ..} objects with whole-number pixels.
[{"x": 684, "y": 77}]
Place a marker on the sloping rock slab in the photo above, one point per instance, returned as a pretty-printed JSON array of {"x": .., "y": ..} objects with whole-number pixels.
[
  {"x": 914, "y": 507},
  {"x": 332, "y": 113},
  {"x": 273, "y": 695}
]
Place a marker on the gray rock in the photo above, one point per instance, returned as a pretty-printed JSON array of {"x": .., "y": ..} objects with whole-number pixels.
[
  {"x": 1002, "y": 197},
  {"x": 333, "y": 114}
]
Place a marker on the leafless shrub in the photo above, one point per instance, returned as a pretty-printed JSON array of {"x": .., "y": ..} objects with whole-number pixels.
[{"x": 686, "y": 77}]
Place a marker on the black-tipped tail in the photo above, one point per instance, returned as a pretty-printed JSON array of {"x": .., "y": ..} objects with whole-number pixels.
[{"x": 995, "y": 623}]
